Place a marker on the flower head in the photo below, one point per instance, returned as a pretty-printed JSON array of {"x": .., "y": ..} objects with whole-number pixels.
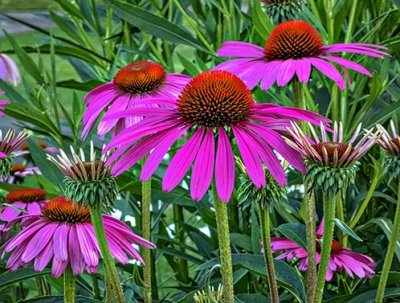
[
  {"x": 8, "y": 144},
  {"x": 19, "y": 171},
  {"x": 63, "y": 233},
  {"x": 341, "y": 258},
  {"x": 18, "y": 202},
  {"x": 391, "y": 144},
  {"x": 89, "y": 182},
  {"x": 293, "y": 48},
  {"x": 213, "y": 108},
  {"x": 332, "y": 163},
  {"x": 283, "y": 10},
  {"x": 135, "y": 85},
  {"x": 9, "y": 71}
]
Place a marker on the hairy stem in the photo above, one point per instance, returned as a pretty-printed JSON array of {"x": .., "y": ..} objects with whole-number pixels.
[
  {"x": 329, "y": 216},
  {"x": 113, "y": 285},
  {"x": 390, "y": 251},
  {"x": 268, "y": 257},
  {"x": 146, "y": 226},
  {"x": 311, "y": 275},
  {"x": 69, "y": 286},
  {"x": 221, "y": 216}
]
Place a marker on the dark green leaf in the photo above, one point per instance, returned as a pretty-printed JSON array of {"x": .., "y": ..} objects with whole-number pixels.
[
  {"x": 295, "y": 232},
  {"x": 346, "y": 229}
]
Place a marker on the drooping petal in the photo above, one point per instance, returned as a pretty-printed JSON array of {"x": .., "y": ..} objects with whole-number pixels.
[
  {"x": 203, "y": 167},
  {"x": 181, "y": 162},
  {"x": 224, "y": 167},
  {"x": 349, "y": 64},
  {"x": 328, "y": 70},
  {"x": 240, "y": 49}
]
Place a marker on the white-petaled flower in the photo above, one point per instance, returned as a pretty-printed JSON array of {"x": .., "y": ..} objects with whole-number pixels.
[
  {"x": 87, "y": 182},
  {"x": 10, "y": 142}
]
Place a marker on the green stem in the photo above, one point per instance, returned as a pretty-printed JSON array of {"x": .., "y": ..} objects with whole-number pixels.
[
  {"x": 221, "y": 217},
  {"x": 311, "y": 280},
  {"x": 350, "y": 28},
  {"x": 335, "y": 102},
  {"x": 298, "y": 94},
  {"x": 329, "y": 216},
  {"x": 69, "y": 286},
  {"x": 268, "y": 257},
  {"x": 113, "y": 285},
  {"x": 365, "y": 203},
  {"x": 146, "y": 227},
  {"x": 390, "y": 251},
  {"x": 39, "y": 286}
]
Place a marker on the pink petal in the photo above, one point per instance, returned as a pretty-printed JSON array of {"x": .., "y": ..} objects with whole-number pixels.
[
  {"x": 240, "y": 49},
  {"x": 203, "y": 167}
]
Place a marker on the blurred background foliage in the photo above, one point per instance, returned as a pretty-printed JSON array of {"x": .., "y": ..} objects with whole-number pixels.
[{"x": 88, "y": 41}]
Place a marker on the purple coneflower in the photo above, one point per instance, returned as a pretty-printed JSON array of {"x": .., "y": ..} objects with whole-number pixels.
[
  {"x": 214, "y": 108},
  {"x": 136, "y": 84},
  {"x": 19, "y": 171},
  {"x": 293, "y": 48},
  {"x": 18, "y": 202},
  {"x": 9, "y": 71},
  {"x": 63, "y": 233},
  {"x": 326, "y": 158},
  {"x": 341, "y": 258},
  {"x": 8, "y": 144}
]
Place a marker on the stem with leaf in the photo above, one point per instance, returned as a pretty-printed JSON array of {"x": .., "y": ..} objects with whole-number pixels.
[{"x": 390, "y": 251}]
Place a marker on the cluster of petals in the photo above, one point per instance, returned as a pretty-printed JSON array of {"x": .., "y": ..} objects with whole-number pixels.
[
  {"x": 72, "y": 244},
  {"x": 341, "y": 258},
  {"x": 209, "y": 148},
  {"x": 294, "y": 39},
  {"x": 109, "y": 98},
  {"x": 10, "y": 142},
  {"x": 18, "y": 202},
  {"x": 332, "y": 152}
]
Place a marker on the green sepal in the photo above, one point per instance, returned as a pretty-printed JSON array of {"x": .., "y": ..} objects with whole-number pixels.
[
  {"x": 285, "y": 10},
  {"x": 98, "y": 194},
  {"x": 5, "y": 166},
  {"x": 330, "y": 180}
]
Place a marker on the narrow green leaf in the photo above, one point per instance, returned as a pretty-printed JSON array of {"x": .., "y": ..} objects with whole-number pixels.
[
  {"x": 346, "y": 229},
  {"x": 8, "y": 278},
  {"x": 26, "y": 61},
  {"x": 154, "y": 25}
]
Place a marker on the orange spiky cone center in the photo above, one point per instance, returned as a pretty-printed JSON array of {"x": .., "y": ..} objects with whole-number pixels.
[
  {"x": 63, "y": 210},
  {"x": 26, "y": 195}
]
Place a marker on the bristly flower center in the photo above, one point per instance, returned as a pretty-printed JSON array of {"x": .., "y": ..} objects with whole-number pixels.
[
  {"x": 293, "y": 40},
  {"x": 140, "y": 77},
  {"x": 26, "y": 195},
  {"x": 62, "y": 210},
  {"x": 215, "y": 99}
]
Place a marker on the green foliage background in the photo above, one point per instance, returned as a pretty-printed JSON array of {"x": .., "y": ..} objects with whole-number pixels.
[{"x": 91, "y": 40}]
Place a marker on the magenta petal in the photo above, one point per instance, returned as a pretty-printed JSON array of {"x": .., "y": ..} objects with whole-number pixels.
[
  {"x": 328, "y": 70},
  {"x": 303, "y": 70},
  {"x": 157, "y": 155},
  {"x": 224, "y": 167},
  {"x": 240, "y": 49},
  {"x": 9, "y": 213},
  {"x": 270, "y": 73},
  {"x": 76, "y": 260},
  {"x": 24, "y": 235},
  {"x": 38, "y": 242},
  {"x": 89, "y": 252},
  {"x": 250, "y": 156},
  {"x": 60, "y": 242},
  {"x": 286, "y": 72},
  {"x": 279, "y": 144},
  {"x": 58, "y": 267},
  {"x": 181, "y": 162},
  {"x": 44, "y": 257},
  {"x": 349, "y": 64},
  {"x": 203, "y": 167}
]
